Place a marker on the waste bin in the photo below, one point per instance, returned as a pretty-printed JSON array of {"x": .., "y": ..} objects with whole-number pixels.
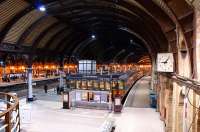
[{"x": 153, "y": 100}]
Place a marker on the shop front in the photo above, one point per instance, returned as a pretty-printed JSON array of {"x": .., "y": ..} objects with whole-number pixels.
[{"x": 90, "y": 99}]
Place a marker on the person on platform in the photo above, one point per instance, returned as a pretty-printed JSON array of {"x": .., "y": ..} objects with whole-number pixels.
[{"x": 45, "y": 88}]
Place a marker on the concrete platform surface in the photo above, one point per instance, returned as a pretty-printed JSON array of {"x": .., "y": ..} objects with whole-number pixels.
[
  {"x": 46, "y": 115},
  {"x": 137, "y": 116},
  {"x": 138, "y": 120},
  {"x": 139, "y": 95}
]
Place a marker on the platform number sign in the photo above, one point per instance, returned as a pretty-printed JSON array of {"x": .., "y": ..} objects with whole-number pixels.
[{"x": 165, "y": 62}]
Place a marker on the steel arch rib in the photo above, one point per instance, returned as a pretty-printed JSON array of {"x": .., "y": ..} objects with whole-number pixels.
[
  {"x": 13, "y": 21},
  {"x": 37, "y": 40},
  {"x": 28, "y": 30}
]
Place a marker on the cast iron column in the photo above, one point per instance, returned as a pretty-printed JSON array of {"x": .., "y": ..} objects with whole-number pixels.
[
  {"x": 29, "y": 80},
  {"x": 61, "y": 72}
]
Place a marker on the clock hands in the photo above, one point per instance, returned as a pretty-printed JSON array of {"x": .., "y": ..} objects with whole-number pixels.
[{"x": 165, "y": 61}]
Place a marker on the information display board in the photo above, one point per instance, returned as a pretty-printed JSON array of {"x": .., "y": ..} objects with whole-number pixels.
[
  {"x": 117, "y": 101},
  {"x": 65, "y": 97}
]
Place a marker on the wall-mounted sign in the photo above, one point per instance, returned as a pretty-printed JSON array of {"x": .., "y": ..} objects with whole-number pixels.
[
  {"x": 117, "y": 101},
  {"x": 65, "y": 96}
]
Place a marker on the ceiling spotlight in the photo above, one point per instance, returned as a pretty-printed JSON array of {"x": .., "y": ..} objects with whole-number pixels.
[
  {"x": 2, "y": 63},
  {"x": 42, "y": 8},
  {"x": 93, "y": 36}
]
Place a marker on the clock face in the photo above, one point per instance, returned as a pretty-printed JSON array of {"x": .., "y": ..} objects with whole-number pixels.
[{"x": 165, "y": 62}]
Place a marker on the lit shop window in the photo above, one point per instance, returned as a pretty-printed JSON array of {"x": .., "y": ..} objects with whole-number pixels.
[
  {"x": 114, "y": 85},
  {"x": 121, "y": 84},
  {"x": 91, "y": 96},
  {"x": 90, "y": 86},
  {"x": 107, "y": 85},
  {"x": 102, "y": 85},
  {"x": 72, "y": 84},
  {"x": 78, "y": 84},
  {"x": 96, "y": 85},
  {"x": 84, "y": 96},
  {"x": 84, "y": 85}
]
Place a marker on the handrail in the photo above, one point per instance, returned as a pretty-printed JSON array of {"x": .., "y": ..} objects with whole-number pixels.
[
  {"x": 16, "y": 125},
  {"x": 193, "y": 84},
  {"x": 12, "y": 106},
  {"x": 11, "y": 120},
  {"x": 3, "y": 127},
  {"x": 15, "y": 118}
]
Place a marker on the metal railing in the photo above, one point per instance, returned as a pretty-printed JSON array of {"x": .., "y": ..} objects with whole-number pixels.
[
  {"x": 9, "y": 115},
  {"x": 191, "y": 83}
]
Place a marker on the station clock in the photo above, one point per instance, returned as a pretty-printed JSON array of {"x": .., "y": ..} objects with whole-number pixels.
[{"x": 165, "y": 62}]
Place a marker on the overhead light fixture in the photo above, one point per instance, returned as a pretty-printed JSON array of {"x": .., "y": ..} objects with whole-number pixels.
[
  {"x": 93, "y": 36},
  {"x": 42, "y": 8},
  {"x": 1, "y": 62}
]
